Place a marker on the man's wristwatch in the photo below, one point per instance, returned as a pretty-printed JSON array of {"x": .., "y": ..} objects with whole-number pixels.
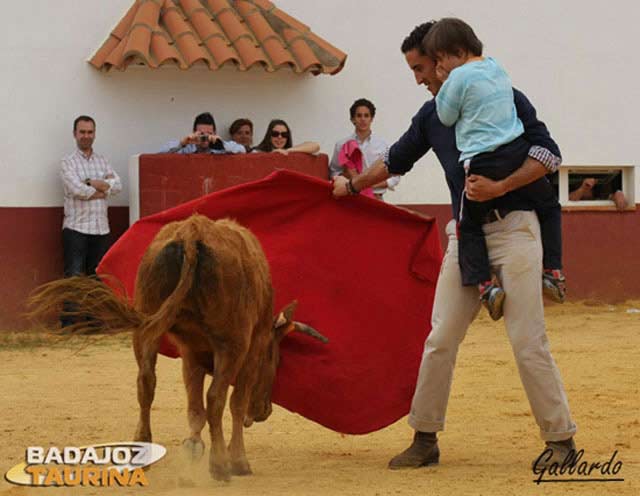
[{"x": 351, "y": 188}]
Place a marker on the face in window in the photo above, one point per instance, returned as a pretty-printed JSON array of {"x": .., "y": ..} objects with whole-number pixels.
[
  {"x": 243, "y": 136},
  {"x": 594, "y": 186},
  {"x": 279, "y": 136}
]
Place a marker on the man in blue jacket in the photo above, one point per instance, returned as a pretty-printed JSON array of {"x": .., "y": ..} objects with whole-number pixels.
[{"x": 513, "y": 240}]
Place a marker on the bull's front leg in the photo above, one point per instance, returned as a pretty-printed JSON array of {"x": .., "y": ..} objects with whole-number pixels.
[
  {"x": 239, "y": 405},
  {"x": 146, "y": 355}
]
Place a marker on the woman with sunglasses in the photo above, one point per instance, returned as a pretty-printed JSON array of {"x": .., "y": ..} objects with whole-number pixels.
[{"x": 278, "y": 139}]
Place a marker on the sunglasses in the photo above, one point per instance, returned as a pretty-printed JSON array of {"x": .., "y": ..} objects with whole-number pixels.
[{"x": 279, "y": 134}]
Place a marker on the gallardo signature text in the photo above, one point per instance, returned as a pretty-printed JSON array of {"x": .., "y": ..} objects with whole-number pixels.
[{"x": 573, "y": 466}]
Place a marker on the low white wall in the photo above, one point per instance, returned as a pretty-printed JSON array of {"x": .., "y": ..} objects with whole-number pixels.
[{"x": 572, "y": 61}]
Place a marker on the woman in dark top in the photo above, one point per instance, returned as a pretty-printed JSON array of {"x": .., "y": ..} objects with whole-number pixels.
[{"x": 278, "y": 139}]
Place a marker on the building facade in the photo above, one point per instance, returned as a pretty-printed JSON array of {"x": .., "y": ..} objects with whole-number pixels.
[{"x": 571, "y": 60}]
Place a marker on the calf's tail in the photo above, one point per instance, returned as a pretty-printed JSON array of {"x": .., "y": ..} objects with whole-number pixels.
[
  {"x": 82, "y": 297},
  {"x": 165, "y": 284}
]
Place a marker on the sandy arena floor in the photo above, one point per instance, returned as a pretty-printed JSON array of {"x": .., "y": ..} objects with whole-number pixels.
[{"x": 78, "y": 393}]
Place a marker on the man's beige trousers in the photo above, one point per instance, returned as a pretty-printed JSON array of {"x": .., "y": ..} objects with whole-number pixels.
[{"x": 515, "y": 253}]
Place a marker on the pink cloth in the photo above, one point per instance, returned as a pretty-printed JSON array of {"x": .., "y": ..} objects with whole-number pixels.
[{"x": 350, "y": 156}]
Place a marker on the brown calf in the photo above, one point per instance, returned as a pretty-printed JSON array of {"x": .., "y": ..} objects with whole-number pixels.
[{"x": 207, "y": 285}]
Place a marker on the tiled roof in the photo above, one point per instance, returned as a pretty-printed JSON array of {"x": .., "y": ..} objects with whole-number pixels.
[{"x": 214, "y": 33}]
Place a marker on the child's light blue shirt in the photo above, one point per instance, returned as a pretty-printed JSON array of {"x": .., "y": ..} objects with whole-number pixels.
[{"x": 478, "y": 98}]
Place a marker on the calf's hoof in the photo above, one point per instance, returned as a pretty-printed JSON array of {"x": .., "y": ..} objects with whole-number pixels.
[
  {"x": 142, "y": 436},
  {"x": 241, "y": 467},
  {"x": 220, "y": 472},
  {"x": 193, "y": 448}
]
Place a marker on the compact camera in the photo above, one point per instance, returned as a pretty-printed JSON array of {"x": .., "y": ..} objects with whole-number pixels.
[{"x": 203, "y": 138}]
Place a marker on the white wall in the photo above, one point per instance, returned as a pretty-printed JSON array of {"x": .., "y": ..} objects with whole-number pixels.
[{"x": 575, "y": 62}]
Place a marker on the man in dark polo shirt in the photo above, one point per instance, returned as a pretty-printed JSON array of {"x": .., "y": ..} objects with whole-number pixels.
[{"x": 515, "y": 252}]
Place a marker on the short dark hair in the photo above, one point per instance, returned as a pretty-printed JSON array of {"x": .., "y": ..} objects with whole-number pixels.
[
  {"x": 83, "y": 118},
  {"x": 414, "y": 40},
  {"x": 204, "y": 118},
  {"x": 238, "y": 123},
  {"x": 266, "y": 145},
  {"x": 451, "y": 36},
  {"x": 362, "y": 102}
]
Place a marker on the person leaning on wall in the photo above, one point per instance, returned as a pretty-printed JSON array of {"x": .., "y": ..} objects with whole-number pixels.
[
  {"x": 609, "y": 188},
  {"x": 278, "y": 139},
  {"x": 88, "y": 181},
  {"x": 203, "y": 139},
  {"x": 241, "y": 131}
]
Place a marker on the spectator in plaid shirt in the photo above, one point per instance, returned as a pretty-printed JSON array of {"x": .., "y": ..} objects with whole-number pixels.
[{"x": 88, "y": 180}]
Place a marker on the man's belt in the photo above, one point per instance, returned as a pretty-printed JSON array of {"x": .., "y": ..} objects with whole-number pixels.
[{"x": 495, "y": 214}]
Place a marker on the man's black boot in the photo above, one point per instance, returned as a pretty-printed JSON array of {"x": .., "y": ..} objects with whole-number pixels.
[
  {"x": 558, "y": 452},
  {"x": 422, "y": 452}
]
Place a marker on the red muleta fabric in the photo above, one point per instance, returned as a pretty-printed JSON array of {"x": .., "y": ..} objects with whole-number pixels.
[{"x": 364, "y": 275}]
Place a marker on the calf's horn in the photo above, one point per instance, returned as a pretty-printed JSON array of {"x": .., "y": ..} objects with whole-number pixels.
[{"x": 310, "y": 331}]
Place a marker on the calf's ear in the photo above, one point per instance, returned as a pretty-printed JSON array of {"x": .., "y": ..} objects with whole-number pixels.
[
  {"x": 289, "y": 310},
  {"x": 285, "y": 316},
  {"x": 283, "y": 321},
  {"x": 283, "y": 324}
]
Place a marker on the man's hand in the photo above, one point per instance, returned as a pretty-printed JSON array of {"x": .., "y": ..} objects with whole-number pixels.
[
  {"x": 585, "y": 191},
  {"x": 99, "y": 185},
  {"x": 190, "y": 139},
  {"x": 98, "y": 195},
  {"x": 340, "y": 186},
  {"x": 196, "y": 139},
  {"x": 619, "y": 199},
  {"x": 441, "y": 74},
  {"x": 481, "y": 189}
]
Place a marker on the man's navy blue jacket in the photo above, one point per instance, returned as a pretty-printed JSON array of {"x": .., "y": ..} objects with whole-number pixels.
[{"x": 427, "y": 132}]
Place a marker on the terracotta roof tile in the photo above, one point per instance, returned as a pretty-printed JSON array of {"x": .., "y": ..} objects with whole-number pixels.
[
  {"x": 289, "y": 21},
  {"x": 107, "y": 48},
  {"x": 223, "y": 52},
  {"x": 304, "y": 55},
  {"x": 122, "y": 28},
  {"x": 147, "y": 14},
  {"x": 162, "y": 51},
  {"x": 116, "y": 57},
  {"x": 215, "y": 32},
  {"x": 264, "y": 4},
  {"x": 271, "y": 43}
]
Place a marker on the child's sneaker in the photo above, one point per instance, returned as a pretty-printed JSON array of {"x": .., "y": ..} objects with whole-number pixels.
[
  {"x": 554, "y": 285},
  {"x": 492, "y": 297}
]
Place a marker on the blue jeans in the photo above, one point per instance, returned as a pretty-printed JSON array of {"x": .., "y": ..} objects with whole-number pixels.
[{"x": 82, "y": 254}]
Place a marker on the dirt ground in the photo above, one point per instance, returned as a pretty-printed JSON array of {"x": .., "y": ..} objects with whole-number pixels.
[{"x": 83, "y": 392}]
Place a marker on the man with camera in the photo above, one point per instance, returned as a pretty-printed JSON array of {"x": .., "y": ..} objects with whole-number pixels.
[{"x": 203, "y": 139}]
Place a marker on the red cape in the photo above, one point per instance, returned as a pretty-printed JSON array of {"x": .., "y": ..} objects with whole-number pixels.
[{"x": 364, "y": 275}]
